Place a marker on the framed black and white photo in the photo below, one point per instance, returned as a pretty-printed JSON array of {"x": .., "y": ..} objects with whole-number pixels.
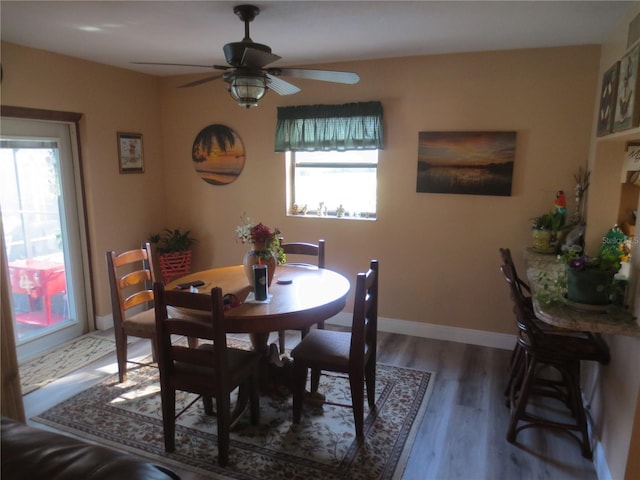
[{"x": 627, "y": 113}]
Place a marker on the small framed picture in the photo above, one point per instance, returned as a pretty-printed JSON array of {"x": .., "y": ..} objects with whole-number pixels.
[
  {"x": 627, "y": 111},
  {"x": 130, "y": 154},
  {"x": 608, "y": 100}
]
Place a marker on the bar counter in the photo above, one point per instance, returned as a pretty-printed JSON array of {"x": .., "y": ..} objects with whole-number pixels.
[{"x": 615, "y": 320}]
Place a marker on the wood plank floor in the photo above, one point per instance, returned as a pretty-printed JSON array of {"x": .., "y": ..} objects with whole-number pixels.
[{"x": 463, "y": 433}]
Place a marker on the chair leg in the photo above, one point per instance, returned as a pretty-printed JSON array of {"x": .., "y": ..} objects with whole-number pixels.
[
  {"x": 578, "y": 408},
  {"x": 154, "y": 348},
  {"x": 223, "y": 404},
  {"x": 281, "y": 341},
  {"x": 315, "y": 379},
  {"x": 356, "y": 380},
  {"x": 254, "y": 398},
  {"x": 207, "y": 403},
  {"x": 514, "y": 365},
  {"x": 299, "y": 384},
  {"x": 121, "y": 354},
  {"x": 519, "y": 405},
  {"x": 168, "y": 397},
  {"x": 370, "y": 380}
]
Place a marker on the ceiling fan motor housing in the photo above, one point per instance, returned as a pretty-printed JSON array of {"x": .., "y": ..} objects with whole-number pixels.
[{"x": 234, "y": 52}]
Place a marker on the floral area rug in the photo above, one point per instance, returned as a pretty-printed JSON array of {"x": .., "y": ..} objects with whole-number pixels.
[
  {"x": 128, "y": 416},
  {"x": 57, "y": 363}
]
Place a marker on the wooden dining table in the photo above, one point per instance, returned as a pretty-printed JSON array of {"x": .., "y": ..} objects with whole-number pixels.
[{"x": 299, "y": 297}]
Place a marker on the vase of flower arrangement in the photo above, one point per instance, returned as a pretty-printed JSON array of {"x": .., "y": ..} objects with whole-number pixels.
[{"x": 266, "y": 249}]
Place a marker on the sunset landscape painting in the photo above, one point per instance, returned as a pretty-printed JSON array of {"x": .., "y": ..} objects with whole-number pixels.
[
  {"x": 218, "y": 154},
  {"x": 471, "y": 163}
]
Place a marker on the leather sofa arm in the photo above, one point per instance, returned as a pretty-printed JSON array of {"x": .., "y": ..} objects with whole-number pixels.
[{"x": 32, "y": 453}]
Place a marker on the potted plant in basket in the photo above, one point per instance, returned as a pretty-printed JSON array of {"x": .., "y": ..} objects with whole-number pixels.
[
  {"x": 174, "y": 252},
  {"x": 546, "y": 231}
]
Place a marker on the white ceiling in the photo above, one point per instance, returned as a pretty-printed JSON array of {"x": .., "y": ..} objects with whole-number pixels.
[{"x": 302, "y": 32}]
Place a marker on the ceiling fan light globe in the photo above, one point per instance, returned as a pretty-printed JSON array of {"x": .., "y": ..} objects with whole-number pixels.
[{"x": 247, "y": 89}]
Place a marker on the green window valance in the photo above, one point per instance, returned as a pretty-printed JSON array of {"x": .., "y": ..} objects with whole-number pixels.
[{"x": 352, "y": 126}]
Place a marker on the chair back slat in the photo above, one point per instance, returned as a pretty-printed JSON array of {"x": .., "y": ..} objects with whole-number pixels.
[
  {"x": 307, "y": 249},
  {"x": 143, "y": 296},
  {"x": 135, "y": 278}
]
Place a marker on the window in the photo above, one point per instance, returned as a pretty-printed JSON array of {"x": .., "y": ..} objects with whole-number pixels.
[
  {"x": 341, "y": 184},
  {"x": 332, "y": 155}
]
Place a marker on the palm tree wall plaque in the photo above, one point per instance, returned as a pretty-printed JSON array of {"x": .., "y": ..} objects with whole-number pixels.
[{"x": 218, "y": 154}]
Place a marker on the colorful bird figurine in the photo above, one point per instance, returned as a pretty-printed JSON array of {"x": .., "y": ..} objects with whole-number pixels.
[{"x": 561, "y": 202}]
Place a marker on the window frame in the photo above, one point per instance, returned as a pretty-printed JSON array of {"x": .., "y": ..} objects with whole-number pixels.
[{"x": 291, "y": 186}]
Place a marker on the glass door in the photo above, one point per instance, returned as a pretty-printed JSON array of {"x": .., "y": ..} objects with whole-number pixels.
[{"x": 42, "y": 229}]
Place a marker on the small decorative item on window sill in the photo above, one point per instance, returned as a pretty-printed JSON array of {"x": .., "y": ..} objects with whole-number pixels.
[{"x": 266, "y": 248}]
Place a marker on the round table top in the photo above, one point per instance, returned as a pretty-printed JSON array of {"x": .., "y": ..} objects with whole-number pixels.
[{"x": 314, "y": 294}]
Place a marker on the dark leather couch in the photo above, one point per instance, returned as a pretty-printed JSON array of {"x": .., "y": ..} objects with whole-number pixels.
[{"x": 34, "y": 454}]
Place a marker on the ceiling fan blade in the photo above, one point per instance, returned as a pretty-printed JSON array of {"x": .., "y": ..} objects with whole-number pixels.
[
  {"x": 280, "y": 86},
  {"x": 199, "y": 82},
  {"x": 174, "y": 64},
  {"x": 252, "y": 57},
  {"x": 324, "y": 75}
]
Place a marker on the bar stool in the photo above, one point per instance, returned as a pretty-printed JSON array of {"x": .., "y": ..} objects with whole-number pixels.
[{"x": 540, "y": 351}]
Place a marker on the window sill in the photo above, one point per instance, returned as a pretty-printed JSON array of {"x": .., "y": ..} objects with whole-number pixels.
[{"x": 334, "y": 217}]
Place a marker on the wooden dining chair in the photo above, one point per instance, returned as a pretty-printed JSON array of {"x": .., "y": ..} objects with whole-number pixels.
[
  {"x": 131, "y": 274},
  {"x": 212, "y": 369},
  {"x": 352, "y": 353},
  {"x": 539, "y": 352},
  {"x": 298, "y": 250}
]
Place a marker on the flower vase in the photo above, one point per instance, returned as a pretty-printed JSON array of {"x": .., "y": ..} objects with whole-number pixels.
[{"x": 253, "y": 257}]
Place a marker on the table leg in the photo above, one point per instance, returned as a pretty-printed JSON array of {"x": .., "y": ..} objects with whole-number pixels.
[{"x": 259, "y": 343}]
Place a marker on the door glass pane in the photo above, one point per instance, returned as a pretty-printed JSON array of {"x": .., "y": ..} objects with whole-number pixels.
[{"x": 30, "y": 195}]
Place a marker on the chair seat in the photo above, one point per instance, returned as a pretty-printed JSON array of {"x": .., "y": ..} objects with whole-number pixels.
[
  {"x": 569, "y": 348},
  {"x": 328, "y": 348},
  {"x": 141, "y": 322},
  {"x": 239, "y": 362}
]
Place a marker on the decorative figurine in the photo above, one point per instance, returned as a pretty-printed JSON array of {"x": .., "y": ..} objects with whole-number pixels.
[{"x": 561, "y": 202}]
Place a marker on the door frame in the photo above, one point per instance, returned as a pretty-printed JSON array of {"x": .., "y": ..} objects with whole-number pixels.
[{"x": 72, "y": 118}]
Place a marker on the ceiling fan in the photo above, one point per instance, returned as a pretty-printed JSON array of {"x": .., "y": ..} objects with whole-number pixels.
[{"x": 246, "y": 74}]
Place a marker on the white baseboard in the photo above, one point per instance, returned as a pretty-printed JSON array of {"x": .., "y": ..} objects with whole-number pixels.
[
  {"x": 438, "y": 332},
  {"x": 600, "y": 460},
  {"x": 405, "y": 327},
  {"x": 105, "y": 322}
]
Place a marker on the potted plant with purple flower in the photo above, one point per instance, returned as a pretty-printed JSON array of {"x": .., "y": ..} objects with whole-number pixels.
[{"x": 590, "y": 279}]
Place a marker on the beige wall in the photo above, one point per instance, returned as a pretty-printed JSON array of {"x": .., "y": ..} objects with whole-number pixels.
[
  {"x": 121, "y": 209},
  {"x": 438, "y": 253}
]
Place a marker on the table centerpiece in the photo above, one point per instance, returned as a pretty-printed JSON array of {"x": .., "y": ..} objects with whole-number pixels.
[{"x": 266, "y": 249}]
